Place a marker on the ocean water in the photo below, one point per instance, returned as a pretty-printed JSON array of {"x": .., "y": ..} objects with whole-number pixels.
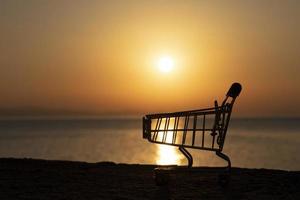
[{"x": 251, "y": 143}]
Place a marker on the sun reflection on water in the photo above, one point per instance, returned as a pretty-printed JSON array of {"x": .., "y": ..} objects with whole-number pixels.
[{"x": 167, "y": 155}]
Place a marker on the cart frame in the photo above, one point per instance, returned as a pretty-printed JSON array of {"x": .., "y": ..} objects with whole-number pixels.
[{"x": 182, "y": 129}]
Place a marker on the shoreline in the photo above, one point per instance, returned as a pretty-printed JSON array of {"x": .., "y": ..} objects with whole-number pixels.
[
  {"x": 57, "y": 179},
  {"x": 52, "y": 179}
]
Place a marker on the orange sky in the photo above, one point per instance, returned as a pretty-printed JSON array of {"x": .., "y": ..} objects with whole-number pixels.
[{"x": 100, "y": 57}]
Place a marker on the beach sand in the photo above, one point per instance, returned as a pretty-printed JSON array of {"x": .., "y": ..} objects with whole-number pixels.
[{"x": 43, "y": 179}]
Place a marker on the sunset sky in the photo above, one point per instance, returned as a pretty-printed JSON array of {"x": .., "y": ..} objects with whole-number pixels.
[{"x": 104, "y": 57}]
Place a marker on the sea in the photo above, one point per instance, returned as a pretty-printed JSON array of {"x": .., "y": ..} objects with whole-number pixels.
[{"x": 272, "y": 143}]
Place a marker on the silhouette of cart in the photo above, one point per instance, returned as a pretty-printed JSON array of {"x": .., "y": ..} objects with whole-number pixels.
[{"x": 203, "y": 129}]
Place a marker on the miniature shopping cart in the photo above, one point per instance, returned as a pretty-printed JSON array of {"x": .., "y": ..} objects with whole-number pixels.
[{"x": 203, "y": 129}]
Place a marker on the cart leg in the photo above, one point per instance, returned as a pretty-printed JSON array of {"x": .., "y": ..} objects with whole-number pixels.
[
  {"x": 225, "y": 157},
  {"x": 224, "y": 177},
  {"x": 187, "y": 155}
]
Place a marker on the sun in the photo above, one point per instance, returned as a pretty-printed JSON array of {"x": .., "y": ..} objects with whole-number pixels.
[{"x": 165, "y": 64}]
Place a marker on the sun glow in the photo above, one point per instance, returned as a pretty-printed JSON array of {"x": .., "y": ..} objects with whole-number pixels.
[{"x": 165, "y": 64}]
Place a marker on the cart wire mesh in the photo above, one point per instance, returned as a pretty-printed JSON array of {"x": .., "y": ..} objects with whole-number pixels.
[{"x": 202, "y": 129}]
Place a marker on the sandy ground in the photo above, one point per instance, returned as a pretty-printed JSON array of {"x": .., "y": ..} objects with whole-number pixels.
[{"x": 42, "y": 179}]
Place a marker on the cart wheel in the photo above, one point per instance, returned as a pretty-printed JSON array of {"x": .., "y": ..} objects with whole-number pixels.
[
  {"x": 224, "y": 179},
  {"x": 161, "y": 178}
]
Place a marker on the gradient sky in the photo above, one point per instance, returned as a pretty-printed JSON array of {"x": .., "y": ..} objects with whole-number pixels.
[{"x": 100, "y": 57}]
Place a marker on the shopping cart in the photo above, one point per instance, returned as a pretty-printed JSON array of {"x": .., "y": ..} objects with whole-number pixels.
[{"x": 203, "y": 129}]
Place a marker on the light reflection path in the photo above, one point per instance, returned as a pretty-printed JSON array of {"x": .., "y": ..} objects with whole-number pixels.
[{"x": 168, "y": 155}]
